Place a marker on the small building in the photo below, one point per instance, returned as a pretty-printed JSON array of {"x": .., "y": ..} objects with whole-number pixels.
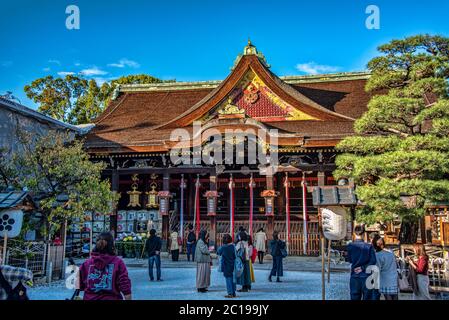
[{"x": 16, "y": 119}]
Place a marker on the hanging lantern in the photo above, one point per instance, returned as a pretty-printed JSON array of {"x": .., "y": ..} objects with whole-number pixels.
[
  {"x": 152, "y": 195},
  {"x": 334, "y": 222},
  {"x": 211, "y": 202},
  {"x": 134, "y": 195},
  {"x": 164, "y": 202},
  {"x": 269, "y": 196}
]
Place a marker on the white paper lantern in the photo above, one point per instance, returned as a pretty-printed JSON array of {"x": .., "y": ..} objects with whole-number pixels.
[{"x": 334, "y": 222}]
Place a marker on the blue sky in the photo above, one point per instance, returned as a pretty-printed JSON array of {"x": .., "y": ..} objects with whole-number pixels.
[{"x": 198, "y": 39}]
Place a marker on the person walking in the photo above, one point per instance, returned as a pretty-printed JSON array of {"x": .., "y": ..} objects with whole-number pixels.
[
  {"x": 360, "y": 255},
  {"x": 260, "y": 243},
  {"x": 104, "y": 276},
  {"x": 277, "y": 246},
  {"x": 203, "y": 262},
  {"x": 174, "y": 245},
  {"x": 191, "y": 243},
  {"x": 153, "y": 246},
  {"x": 243, "y": 251},
  {"x": 388, "y": 274},
  {"x": 12, "y": 281},
  {"x": 227, "y": 253},
  {"x": 421, "y": 268}
]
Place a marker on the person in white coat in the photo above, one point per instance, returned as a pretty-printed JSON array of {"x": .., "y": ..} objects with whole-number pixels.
[
  {"x": 260, "y": 244},
  {"x": 174, "y": 245}
]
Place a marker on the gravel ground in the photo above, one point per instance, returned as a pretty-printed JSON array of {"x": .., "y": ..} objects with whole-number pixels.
[{"x": 179, "y": 284}]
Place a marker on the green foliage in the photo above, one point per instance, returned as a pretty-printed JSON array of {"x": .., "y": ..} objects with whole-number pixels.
[
  {"x": 58, "y": 172},
  {"x": 402, "y": 142},
  {"x": 75, "y": 100}
]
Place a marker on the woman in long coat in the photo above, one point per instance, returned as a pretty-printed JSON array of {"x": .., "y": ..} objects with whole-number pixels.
[
  {"x": 260, "y": 241},
  {"x": 174, "y": 246},
  {"x": 203, "y": 262},
  {"x": 276, "y": 246},
  {"x": 243, "y": 251}
]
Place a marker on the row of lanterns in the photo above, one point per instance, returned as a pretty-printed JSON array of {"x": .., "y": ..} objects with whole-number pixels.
[{"x": 161, "y": 199}]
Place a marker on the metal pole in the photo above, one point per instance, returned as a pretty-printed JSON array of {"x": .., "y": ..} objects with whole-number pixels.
[
  {"x": 323, "y": 281},
  {"x": 64, "y": 248},
  {"x": 304, "y": 211},
  {"x": 91, "y": 233},
  {"x": 5, "y": 243},
  {"x": 329, "y": 261}
]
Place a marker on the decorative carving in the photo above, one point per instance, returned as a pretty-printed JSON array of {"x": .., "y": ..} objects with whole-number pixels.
[
  {"x": 231, "y": 109},
  {"x": 251, "y": 94}
]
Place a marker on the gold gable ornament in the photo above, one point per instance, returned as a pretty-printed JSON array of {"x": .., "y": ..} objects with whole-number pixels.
[
  {"x": 231, "y": 111},
  {"x": 134, "y": 195}
]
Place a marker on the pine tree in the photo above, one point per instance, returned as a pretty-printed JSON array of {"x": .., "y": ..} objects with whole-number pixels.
[{"x": 399, "y": 157}]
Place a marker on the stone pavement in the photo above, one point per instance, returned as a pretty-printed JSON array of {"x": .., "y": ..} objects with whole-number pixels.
[{"x": 309, "y": 264}]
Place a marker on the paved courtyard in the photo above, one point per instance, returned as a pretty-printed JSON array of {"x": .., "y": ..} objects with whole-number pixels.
[{"x": 179, "y": 284}]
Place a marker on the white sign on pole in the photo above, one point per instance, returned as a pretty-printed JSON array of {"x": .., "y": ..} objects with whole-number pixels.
[
  {"x": 334, "y": 222},
  {"x": 11, "y": 223}
]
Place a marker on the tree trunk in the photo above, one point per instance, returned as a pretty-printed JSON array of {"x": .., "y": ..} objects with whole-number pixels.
[{"x": 409, "y": 232}]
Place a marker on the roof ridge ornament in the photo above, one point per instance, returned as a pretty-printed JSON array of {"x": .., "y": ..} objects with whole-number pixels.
[{"x": 251, "y": 49}]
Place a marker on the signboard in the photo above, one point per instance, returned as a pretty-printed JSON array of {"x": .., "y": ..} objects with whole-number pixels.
[
  {"x": 334, "y": 222},
  {"x": 11, "y": 223}
]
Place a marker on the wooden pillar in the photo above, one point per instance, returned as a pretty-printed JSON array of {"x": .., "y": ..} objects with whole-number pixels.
[
  {"x": 270, "y": 219},
  {"x": 213, "y": 219},
  {"x": 165, "y": 218},
  {"x": 280, "y": 201},
  {"x": 321, "y": 178},
  {"x": 190, "y": 196},
  {"x": 115, "y": 186}
]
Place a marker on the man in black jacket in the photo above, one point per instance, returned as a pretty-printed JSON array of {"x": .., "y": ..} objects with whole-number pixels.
[
  {"x": 153, "y": 246},
  {"x": 191, "y": 243}
]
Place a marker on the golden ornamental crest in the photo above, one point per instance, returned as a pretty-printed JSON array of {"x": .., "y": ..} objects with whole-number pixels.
[{"x": 231, "y": 109}]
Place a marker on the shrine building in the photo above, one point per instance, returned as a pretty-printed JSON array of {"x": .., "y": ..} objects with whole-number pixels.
[{"x": 244, "y": 151}]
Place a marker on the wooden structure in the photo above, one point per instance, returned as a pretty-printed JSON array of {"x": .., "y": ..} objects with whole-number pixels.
[{"x": 170, "y": 134}]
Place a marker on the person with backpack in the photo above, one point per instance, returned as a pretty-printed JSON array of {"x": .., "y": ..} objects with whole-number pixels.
[
  {"x": 244, "y": 254},
  {"x": 360, "y": 255},
  {"x": 153, "y": 246},
  {"x": 104, "y": 276},
  {"x": 12, "y": 280},
  {"x": 227, "y": 253},
  {"x": 203, "y": 262},
  {"x": 191, "y": 243},
  {"x": 277, "y": 247}
]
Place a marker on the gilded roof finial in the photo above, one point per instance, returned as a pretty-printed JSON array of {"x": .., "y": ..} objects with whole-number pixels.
[{"x": 249, "y": 42}]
